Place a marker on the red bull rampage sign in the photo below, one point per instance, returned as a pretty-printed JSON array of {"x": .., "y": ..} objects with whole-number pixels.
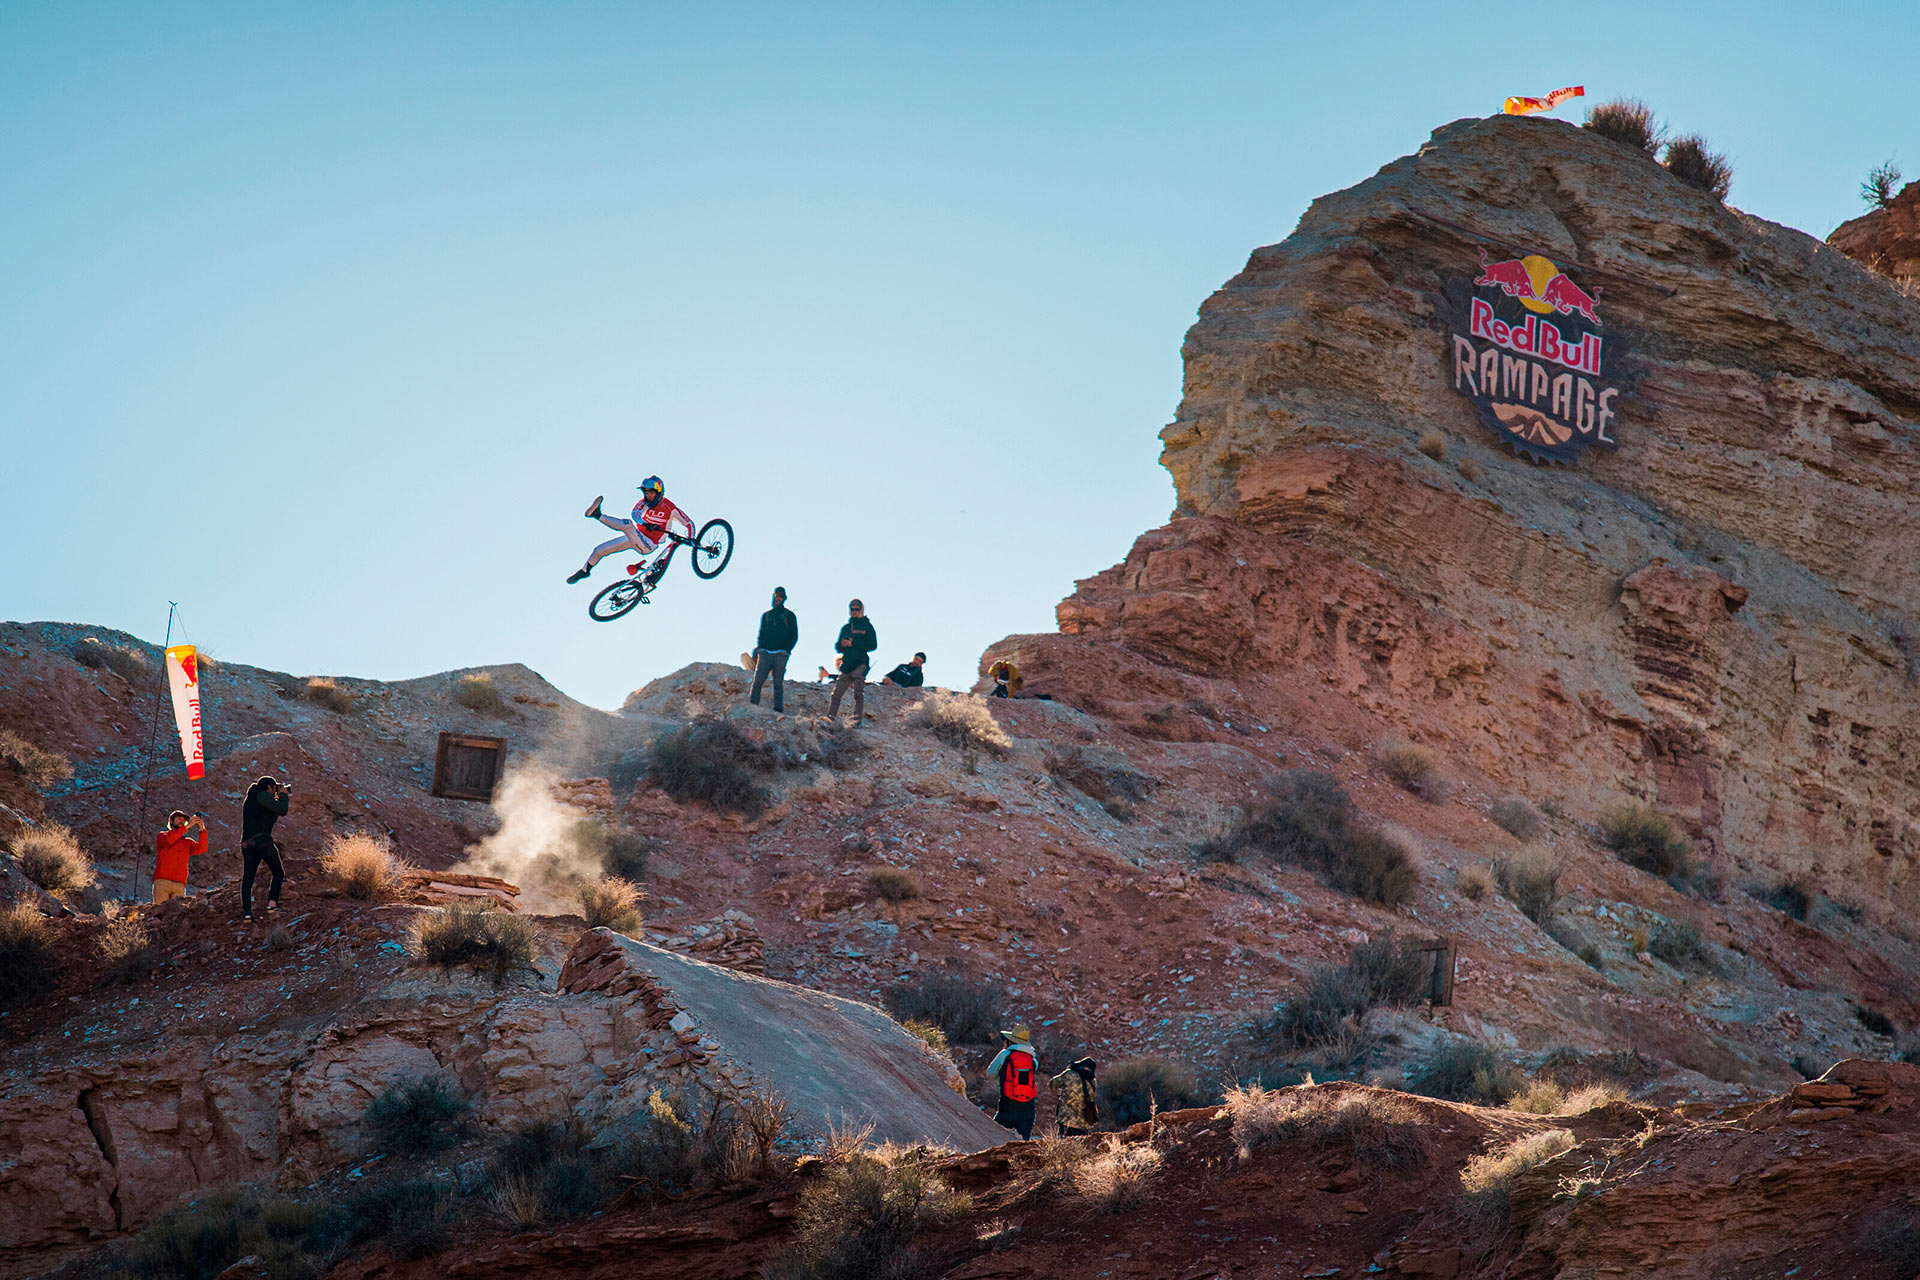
[{"x": 1526, "y": 345}]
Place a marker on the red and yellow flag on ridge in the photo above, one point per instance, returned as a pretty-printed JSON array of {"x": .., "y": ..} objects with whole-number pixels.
[
  {"x": 1527, "y": 106},
  {"x": 183, "y": 677}
]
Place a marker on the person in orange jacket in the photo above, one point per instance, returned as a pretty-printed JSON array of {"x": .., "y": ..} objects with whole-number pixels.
[{"x": 183, "y": 839}]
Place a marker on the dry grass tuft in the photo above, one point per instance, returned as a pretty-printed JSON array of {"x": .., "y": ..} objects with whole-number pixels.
[
  {"x": 1116, "y": 1177},
  {"x": 1488, "y": 1178},
  {"x": 1378, "y": 1130},
  {"x": 1517, "y": 818},
  {"x": 1689, "y": 160},
  {"x": 1474, "y": 882},
  {"x": 612, "y": 903},
  {"x": 962, "y": 720},
  {"x": 496, "y": 941},
  {"x": 860, "y": 1218},
  {"x": 41, "y": 768},
  {"x": 366, "y": 867},
  {"x": 1531, "y": 881},
  {"x": 1628, "y": 121},
  {"x": 928, "y": 1034},
  {"x": 28, "y": 966},
  {"x": 1310, "y": 822},
  {"x": 126, "y": 944},
  {"x": 476, "y": 692},
  {"x": 1412, "y": 768},
  {"x": 1469, "y": 470},
  {"x": 1433, "y": 444},
  {"x": 1648, "y": 839},
  {"x": 323, "y": 692},
  {"x": 1469, "y": 1071},
  {"x": 1327, "y": 1008},
  {"x": 51, "y": 857},
  {"x": 129, "y": 664},
  {"x": 894, "y": 884},
  {"x": 1545, "y": 1098}
]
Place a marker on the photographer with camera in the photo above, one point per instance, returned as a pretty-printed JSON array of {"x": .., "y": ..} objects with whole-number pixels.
[
  {"x": 266, "y": 804},
  {"x": 185, "y": 838}
]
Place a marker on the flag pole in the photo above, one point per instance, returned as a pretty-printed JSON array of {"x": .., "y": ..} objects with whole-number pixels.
[{"x": 153, "y": 732}]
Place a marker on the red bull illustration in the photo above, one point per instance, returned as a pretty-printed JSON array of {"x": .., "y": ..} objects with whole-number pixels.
[{"x": 1527, "y": 348}]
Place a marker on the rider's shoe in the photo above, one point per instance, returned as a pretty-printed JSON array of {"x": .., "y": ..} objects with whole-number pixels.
[
  {"x": 580, "y": 573},
  {"x": 593, "y": 512}
]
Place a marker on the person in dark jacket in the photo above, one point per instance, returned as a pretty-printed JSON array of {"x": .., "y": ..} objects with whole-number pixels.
[
  {"x": 266, "y": 804},
  {"x": 1076, "y": 1103},
  {"x": 779, "y": 633},
  {"x": 908, "y": 674},
  {"x": 857, "y": 640}
]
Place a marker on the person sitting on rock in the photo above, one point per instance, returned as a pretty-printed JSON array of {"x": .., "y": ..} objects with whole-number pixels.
[
  {"x": 1076, "y": 1106},
  {"x": 184, "y": 839},
  {"x": 1006, "y": 679},
  {"x": 907, "y": 675},
  {"x": 1016, "y": 1068},
  {"x": 653, "y": 516}
]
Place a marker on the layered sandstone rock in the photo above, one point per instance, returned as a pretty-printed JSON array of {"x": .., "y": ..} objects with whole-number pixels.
[{"x": 1720, "y": 616}]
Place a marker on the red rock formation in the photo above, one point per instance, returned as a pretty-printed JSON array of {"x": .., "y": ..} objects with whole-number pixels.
[{"x": 1887, "y": 240}]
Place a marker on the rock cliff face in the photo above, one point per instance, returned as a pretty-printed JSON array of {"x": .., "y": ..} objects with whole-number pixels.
[{"x": 1719, "y": 615}]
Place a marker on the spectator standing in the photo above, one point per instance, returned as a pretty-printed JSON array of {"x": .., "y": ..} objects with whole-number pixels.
[
  {"x": 185, "y": 838},
  {"x": 908, "y": 674},
  {"x": 1017, "y": 1069},
  {"x": 266, "y": 804},
  {"x": 857, "y": 640},
  {"x": 779, "y": 633},
  {"x": 1076, "y": 1108}
]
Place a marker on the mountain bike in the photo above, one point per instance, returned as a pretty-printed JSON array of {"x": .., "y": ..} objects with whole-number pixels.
[{"x": 712, "y": 548}]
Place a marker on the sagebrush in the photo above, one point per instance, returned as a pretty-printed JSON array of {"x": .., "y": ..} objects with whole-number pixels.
[
  {"x": 477, "y": 692},
  {"x": 617, "y": 852},
  {"x": 1412, "y": 768},
  {"x": 1469, "y": 1071},
  {"x": 1133, "y": 1089},
  {"x": 964, "y": 1006},
  {"x": 428, "y": 1113},
  {"x": 29, "y": 966},
  {"x": 1628, "y": 121},
  {"x": 41, "y": 768},
  {"x": 711, "y": 762},
  {"x": 1689, "y": 159},
  {"x": 1309, "y": 821},
  {"x": 860, "y": 1219},
  {"x": 50, "y": 855},
  {"x": 1530, "y": 880},
  {"x": 1382, "y": 971},
  {"x": 497, "y": 942},
  {"x": 331, "y": 694},
  {"x": 1648, "y": 839},
  {"x": 366, "y": 867},
  {"x": 1518, "y": 818},
  {"x": 1377, "y": 1130},
  {"x": 961, "y": 720},
  {"x": 612, "y": 903}
]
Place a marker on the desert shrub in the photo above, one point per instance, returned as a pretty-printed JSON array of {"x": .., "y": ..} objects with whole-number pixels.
[
  {"x": 1531, "y": 882},
  {"x": 1793, "y": 896},
  {"x": 279, "y": 938},
  {"x": 365, "y": 866},
  {"x": 840, "y": 749},
  {"x": 1648, "y": 839},
  {"x": 894, "y": 884},
  {"x": 1518, "y": 818},
  {"x": 1469, "y": 1071},
  {"x": 858, "y": 1221},
  {"x": 542, "y": 1172},
  {"x": 51, "y": 857},
  {"x": 1433, "y": 444},
  {"x": 1679, "y": 944},
  {"x": 477, "y": 692},
  {"x": 332, "y": 695},
  {"x": 418, "y": 1116},
  {"x": 1378, "y": 1130},
  {"x": 1116, "y": 1177},
  {"x": 1308, "y": 821},
  {"x": 618, "y": 853},
  {"x": 1689, "y": 160},
  {"x": 612, "y": 903},
  {"x": 1882, "y": 183},
  {"x": 1627, "y": 121},
  {"x": 1544, "y": 1097},
  {"x": 965, "y": 1007},
  {"x": 129, "y": 664},
  {"x": 1383, "y": 970},
  {"x": 1571, "y": 1069},
  {"x": 126, "y": 944},
  {"x": 962, "y": 720},
  {"x": 1412, "y": 768},
  {"x": 711, "y": 762},
  {"x": 928, "y": 1034},
  {"x": 203, "y": 1239},
  {"x": 498, "y": 941},
  {"x": 1134, "y": 1088},
  {"x": 1469, "y": 470},
  {"x": 409, "y": 1217},
  {"x": 1488, "y": 1178},
  {"x": 1102, "y": 776},
  {"x": 1873, "y": 1020},
  {"x": 41, "y": 768},
  {"x": 1474, "y": 882},
  {"x": 28, "y": 965}
]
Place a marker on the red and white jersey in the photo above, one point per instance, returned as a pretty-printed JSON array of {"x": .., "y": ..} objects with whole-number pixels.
[{"x": 651, "y": 521}]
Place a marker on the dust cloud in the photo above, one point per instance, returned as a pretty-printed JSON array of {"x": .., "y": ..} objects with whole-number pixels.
[{"x": 545, "y": 847}]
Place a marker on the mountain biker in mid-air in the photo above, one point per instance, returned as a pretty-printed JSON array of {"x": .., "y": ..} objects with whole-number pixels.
[{"x": 652, "y": 516}]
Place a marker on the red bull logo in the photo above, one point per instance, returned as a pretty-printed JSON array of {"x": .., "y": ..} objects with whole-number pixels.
[{"x": 1529, "y": 352}]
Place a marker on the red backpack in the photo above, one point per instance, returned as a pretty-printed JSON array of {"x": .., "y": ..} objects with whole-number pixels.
[{"x": 1017, "y": 1083}]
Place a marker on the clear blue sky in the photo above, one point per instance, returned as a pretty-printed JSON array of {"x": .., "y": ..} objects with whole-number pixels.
[{"x": 327, "y": 320}]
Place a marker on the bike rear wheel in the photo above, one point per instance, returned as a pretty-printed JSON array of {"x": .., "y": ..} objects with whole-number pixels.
[
  {"x": 712, "y": 548},
  {"x": 616, "y": 601}
]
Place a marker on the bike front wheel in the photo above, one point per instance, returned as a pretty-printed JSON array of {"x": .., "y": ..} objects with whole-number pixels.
[
  {"x": 712, "y": 548},
  {"x": 615, "y": 601}
]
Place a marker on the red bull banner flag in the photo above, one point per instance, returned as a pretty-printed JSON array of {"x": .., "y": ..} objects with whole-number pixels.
[
  {"x": 1527, "y": 106},
  {"x": 183, "y": 676},
  {"x": 1527, "y": 346}
]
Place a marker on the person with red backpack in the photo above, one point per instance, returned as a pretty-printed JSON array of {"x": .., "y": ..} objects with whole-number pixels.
[{"x": 1017, "y": 1069}]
